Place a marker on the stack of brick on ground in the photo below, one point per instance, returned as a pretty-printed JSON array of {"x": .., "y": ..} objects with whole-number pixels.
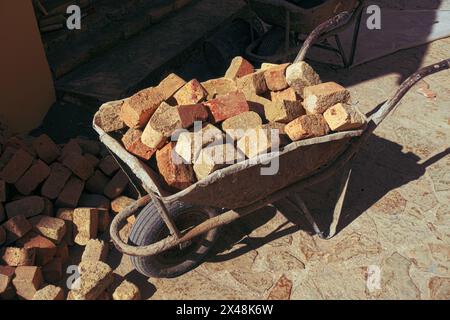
[
  {"x": 244, "y": 114},
  {"x": 53, "y": 197}
]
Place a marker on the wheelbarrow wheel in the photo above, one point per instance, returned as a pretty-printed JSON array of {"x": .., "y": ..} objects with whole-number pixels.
[{"x": 150, "y": 228}]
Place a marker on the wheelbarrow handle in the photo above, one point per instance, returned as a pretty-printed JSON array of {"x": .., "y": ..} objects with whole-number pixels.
[
  {"x": 389, "y": 105},
  {"x": 328, "y": 25}
]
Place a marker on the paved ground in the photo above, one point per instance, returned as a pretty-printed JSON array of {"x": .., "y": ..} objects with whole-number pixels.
[{"x": 396, "y": 220}]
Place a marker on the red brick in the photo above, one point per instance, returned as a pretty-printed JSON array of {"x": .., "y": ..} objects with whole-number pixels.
[
  {"x": 56, "y": 181},
  {"x": 238, "y": 68},
  {"x": 97, "y": 182},
  {"x": 71, "y": 193},
  {"x": 2, "y": 236},
  {"x": 2, "y": 213},
  {"x": 16, "y": 167},
  {"x": 48, "y": 208},
  {"x": 116, "y": 186},
  {"x": 219, "y": 86},
  {"x": 14, "y": 257},
  {"x": 70, "y": 147},
  {"x": 62, "y": 252},
  {"x": 275, "y": 77},
  {"x": 6, "y": 156},
  {"x": 137, "y": 110},
  {"x": 318, "y": 98},
  {"x": 45, "y": 249},
  {"x": 53, "y": 271},
  {"x": 227, "y": 106},
  {"x": 191, "y": 113},
  {"x": 16, "y": 228},
  {"x": 171, "y": 84},
  {"x": 66, "y": 214},
  {"x": 161, "y": 126},
  {"x": 109, "y": 118},
  {"x": 191, "y": 93},
  {"x": 308, "y": 126},
  {"x": 78, "y": 164},
  {"x": 28, "y": 206},
  {"x": 85, "y": 221},
  {"x": 104, "y": 220},
  {"x": 89, "y": 146},
  {"x": 108, "y": 165},
  {"x": 88, "y": 200},
  {"x": 49, "y": 293},
  {"x": 175, "y": 173},
  {"x": 252, "y": 83},
  {"x": 95, "y": 250},
  {"x": 2, "y": 192},
  {"x": 21, "y": 143},
  {"x": 34, "y": 176},
  {"x": 27, "y": 281},
  {"x": 120, "y": 203},
  {"x": 46, "y": 149},
  {"x": 93, "y": 160},
  {"x": 287, "y": 94},
  {"x": 132, "y": 142},
  {"x": 7, "y": 290},
  {"x": 50, "y": 227}
]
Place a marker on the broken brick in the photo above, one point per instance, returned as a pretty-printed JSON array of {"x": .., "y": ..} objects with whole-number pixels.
[
  {"x": 14, "y": 257},
  {"x": 170, "y": 85},
  {"x": 116, "y": 186},
  {"x": 2, "y": 192},
  {"x": 7, "y": 291},
  {"x": 50, "y": 227},
  {"x": 53, "y": 271},
  {"x": 236, "y": 126},
  {"x": 132, "y": 142},
  {"x": 2, "y": 236},
  {"x": 28, "y": 206},
  {"x": 342, "y": 117},
  {"x": 97, "y": 182},
  {"x": 27, "y": 281},
  {"x": 137, "y": 110},
  {"x": 253, "y": 83},
  {"x": 93, "y": 160},
  {"x": 108, "y": 165},
  {"x": 191, "y": 93},
  {"x": 238, "y": 68},
  {"x": 257, "y": 141},
  {"x": 120, "y": 203},
  {"x": 275, "y": 77},
  {"x": 215, "y": 157},
  {"x": 85, "y": 221},
  {"x": 95, "y": 278},
  {"x": 46, "y": 149},
  {"x": 286, "y": 94},
  {"x": 318, "y": 98},
  {"x": 227, "y": 106},
  {"x": 219, "y": 86},
  {"x": 127, "y": 291},
  {"x": 95, "y": 250},
  {"x": 108, "y": 116},
  {"x": 16, "y": 167},
  {"x": 56, "y": 181},
  {"x": 16, "y": 228},
  {"x": 50, "y": 293},
  {"x": 307, "y": 126},
  {"x": 78, "y": 164},
  {"x": 71, "y": 193},
  {"x": 283, "y": 111},
  {"x": 88, "y": 200},
  {"x": 34, "y": 176},
  {"x": 71, "y": 147},
  {"x": 104, "y": 220},
  {"x": 44, "y": 248},
  {"x": 66, "y": 214},
  {"x": 300, "y": 75}
]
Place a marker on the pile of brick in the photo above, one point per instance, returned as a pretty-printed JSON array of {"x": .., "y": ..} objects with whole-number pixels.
[
  {"x": 239, "y": 113},
  {"x": 54, "y": 197}
]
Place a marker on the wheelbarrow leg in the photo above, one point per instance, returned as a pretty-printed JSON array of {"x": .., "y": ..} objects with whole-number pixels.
[{"x": 301, "y": 206}]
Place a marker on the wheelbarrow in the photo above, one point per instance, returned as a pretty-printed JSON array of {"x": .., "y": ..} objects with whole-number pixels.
[
  {"x": 297, "y": 21},
  {"x": 173, "y": 232}
]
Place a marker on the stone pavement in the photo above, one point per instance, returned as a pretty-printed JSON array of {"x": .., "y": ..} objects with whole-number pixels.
[{"x": 395, "y": 229}]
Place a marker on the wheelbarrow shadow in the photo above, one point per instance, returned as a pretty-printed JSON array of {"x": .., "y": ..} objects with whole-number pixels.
[{"x": 380, "y": 166}]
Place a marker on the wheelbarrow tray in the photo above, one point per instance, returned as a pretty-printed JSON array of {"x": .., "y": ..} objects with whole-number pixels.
[
  {"x": 301, "y": 20},
  {"x": 240, "y": 184}
]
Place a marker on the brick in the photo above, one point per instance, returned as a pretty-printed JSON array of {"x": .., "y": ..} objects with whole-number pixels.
[
  {"x": 2, "y": 213},
  {"x": 16, "y": 167},
  {"x": 275, "y": 77},
  {"x": 116, "y": 186},
  {"x": 52, "y": 228},
  {"x": 48, "y": 208},
  {"x": 257, "y": 141},
  {"x": 33, "y": 177},
  {"x": 108, "y": 165},
  {"x": 56, "y": 181},
  {"x": 14, "y": 257},
  {"x": 88, "y": 200},
  {"x": 132, "y": 142},
  {"x": 85, "y": 221},
  {"x": 49, "y": 292},
  {"x": 53, "y": 271},
  {"x": 318, "y": 98},
  {"x": 46, "y": 149},
  {"x": 127, "y": 291},
  {"x": 97, "y": 182},
  {"x": 278, "y": 129},
  {"x": 188, "y": 148},
  {"x": 2, "y": 191},
  {"x": 27, "y": 281},
  {"x": 71, "y": 193},
  {"x": 16, "y": 228},
  {"x": 257, "y": 103},
  {"x": 171, "y": 167},
  {"x": 170, "y": 85},
  {"x": 191, "y": 113},
  {"x": 62, "y": 252},
  {"x": 108, "y": 117},
  {"x": 66, "y": 214},
  {"x": 286, "y": 94},
  {"x": 24, "y": 143},
  {"x": 215, "y": 157},
  {"x": 301, "y": 75},
  {"x": 137, "y": 110},
  {"x": 44, "y": 248},
  {"x": 28, "y": 206},
  {"x": 89, "y": 146},
  {"x": 267, "y": 65},
  {"x": 2, "y": 236},
  {"x": 342, "y": 117},
  {"x": 191, "y": 93},
  {"x": 95, "y": 250},
  {"x": 236, "y": 126},
  {"x": 308, "y": 126},
  {"x": 227, "y": 106},
  {"x": 95, "y": 278},
  {"x": 7, "y": 291},
  {"x": 238, "y": 68},
  {"x": 6, "y": 156},
  {"x": 93, "y": 160},
  {"x": 104, "y": 220},
  {"x": 219, "y": 86},
  {"x": 253, "y": 83},
  {"x": 78, "y": 164},
  {"x": 71, "y": 147},
  {"x": 120, "y": 203},
  {"x": 283, "y": 111}
]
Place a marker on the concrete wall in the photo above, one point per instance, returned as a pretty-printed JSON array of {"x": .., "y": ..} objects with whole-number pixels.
[{"x": 26, "y": 85}]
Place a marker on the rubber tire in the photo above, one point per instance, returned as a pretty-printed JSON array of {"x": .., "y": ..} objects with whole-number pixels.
[{"x": 146, "y": 230}]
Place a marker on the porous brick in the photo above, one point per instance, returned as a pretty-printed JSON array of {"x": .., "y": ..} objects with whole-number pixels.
[
  {"x": 33, "y": 177},
  {"x": 307, "y": 126},
  {"x": 227, "y": 106}
]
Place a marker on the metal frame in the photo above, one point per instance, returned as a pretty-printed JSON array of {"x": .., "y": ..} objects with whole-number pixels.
[
  {"x": 335, "y": 26},
  {"x": 341, "y": 164}
]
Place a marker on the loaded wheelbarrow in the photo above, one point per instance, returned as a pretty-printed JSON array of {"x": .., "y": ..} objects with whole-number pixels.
[{"x": 173, "y": 232}]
